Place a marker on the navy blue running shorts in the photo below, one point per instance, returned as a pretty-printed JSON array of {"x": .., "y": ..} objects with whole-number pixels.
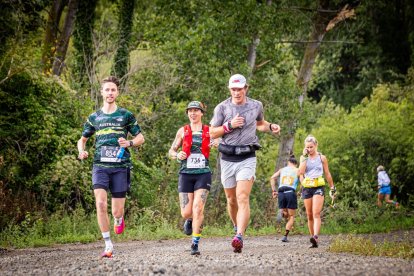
[
  {"x": 116, "y": 180},
  {"x": 310, "y": 192},
  {"x": 188, "y": 183},
  {"x": 287, "y": 199}
]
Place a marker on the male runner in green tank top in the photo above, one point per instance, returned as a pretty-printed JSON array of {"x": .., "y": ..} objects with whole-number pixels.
[{"x": 111, "y": 164}]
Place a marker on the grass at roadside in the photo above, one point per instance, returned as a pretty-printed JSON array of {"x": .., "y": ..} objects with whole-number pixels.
[
  {"x": 150, "y": 225},
  {"x": 364, "y": 246}
]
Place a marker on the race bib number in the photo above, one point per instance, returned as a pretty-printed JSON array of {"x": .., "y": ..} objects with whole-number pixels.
[
  {"x": 196, "y": 161},
  {"x": 287, "y": 180},
  {"x": 108, "y": 154}
]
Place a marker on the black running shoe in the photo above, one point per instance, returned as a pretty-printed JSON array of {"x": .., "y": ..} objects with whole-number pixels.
[
  {"x": 194, "y": 249},
  {"x": 188, "y": 227},
  {"x": 314, "y": 243}
]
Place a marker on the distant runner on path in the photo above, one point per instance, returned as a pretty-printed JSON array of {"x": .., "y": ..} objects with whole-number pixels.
[
  {"x": 111, "y": 163},
  {"x": 384, "y": 188},
  {"x": 286, "y": 192},
  {"x": 313, "y": 165},
  {"x": 236, "y": 121},
  {"x": 194, "y": 181}
]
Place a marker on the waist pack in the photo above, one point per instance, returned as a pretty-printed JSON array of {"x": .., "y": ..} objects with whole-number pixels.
[
  {"x": 313, "y": 182},
  {"x": 237, "y": 150}
]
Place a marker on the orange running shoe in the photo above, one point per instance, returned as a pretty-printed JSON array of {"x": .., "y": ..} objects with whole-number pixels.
[{"x": 107, "y": 252}]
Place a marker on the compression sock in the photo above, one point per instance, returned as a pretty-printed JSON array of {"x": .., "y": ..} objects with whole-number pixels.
[
  {"x": 107, "y": 238},
  {"x": 287, "y": 232},
  {"x": 196, "y": 238}
]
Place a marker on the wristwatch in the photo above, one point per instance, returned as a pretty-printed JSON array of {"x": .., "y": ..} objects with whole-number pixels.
[{"x": 131, "y": 143}]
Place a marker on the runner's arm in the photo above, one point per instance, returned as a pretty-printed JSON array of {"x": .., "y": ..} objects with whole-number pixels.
[
  {"x": 273, "y": 183},
  {"x": 173, "y": 152},
  {"x": 83, "y": 154},
  {"x": 326, "y": 171},
  {"x": 216, "y": 132},
  {"x": 265, "y": 126},
  {"x": 138, "y": 140}
]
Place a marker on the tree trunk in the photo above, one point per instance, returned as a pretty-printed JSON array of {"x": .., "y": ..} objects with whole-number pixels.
[
  {"x": 64, "y": 38},
  {"x": 51, "y": 32},
  {"x": 321, "y": 24},
  {"x": 121, "y": 60},
  {"x": 83, "y": 45},
  {"x": 251, "y": 56}
]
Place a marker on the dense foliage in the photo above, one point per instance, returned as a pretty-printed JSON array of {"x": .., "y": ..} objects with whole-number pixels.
[{"x": 360, "y": 105}]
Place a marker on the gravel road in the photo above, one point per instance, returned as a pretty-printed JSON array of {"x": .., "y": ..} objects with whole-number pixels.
[{"x": 265, "y": 255}]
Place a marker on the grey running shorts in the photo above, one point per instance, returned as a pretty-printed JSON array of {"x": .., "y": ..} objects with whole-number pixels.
[{"x": 231, "y": 172}]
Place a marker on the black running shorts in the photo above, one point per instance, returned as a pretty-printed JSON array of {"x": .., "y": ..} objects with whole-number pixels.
[
  {"x": 188, "y": 183},
  {"x": 288, "y": 199},
  {"x": 310, "y": 192},
  {"x": 116, "y": 180}
]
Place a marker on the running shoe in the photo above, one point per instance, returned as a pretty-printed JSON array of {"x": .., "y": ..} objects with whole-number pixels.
[
  {"x": 314, "y": 242},
  {"x": 284, "y": 239},
  {"x": 237, "y": 244},
  {"x": 107, "y": 252},
  {"x": 188, "y": 227},
  {"x": 194, "y": 249},
  {"x": 119, "y": 227}
]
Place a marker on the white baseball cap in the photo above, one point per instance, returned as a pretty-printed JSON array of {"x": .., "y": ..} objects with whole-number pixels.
[{"x": 237, "y": 81}]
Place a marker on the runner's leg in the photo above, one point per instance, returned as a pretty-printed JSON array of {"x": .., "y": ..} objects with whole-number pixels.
[
  {"x": 243, "y": 189},
  {"x": 309, "y": 214},
  {"x": 291, "y": 220},
  {"x": 200, "y": 198},
  {"x": 118, "y": 207},
  {"x": 232, "y": 207},
  {"x": 101, "y": 201},
  {"x": 380, "y": 198},
  {"x": 186, "y": 204},
  {"x": 317, "y": 205},
  {"x": 388, "y": 200}
]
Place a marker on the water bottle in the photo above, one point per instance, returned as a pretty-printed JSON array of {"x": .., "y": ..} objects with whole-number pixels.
[{"x": 120, "y": 153}]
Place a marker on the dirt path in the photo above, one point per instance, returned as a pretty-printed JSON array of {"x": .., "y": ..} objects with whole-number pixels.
[{"x": 261, "y": 255}]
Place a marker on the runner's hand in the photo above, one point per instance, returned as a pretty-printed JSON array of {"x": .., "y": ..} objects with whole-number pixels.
[
  {"x": 332, "y": 192},
  {"x": 237, "y": 121},
  {"x": 83, "y": 155},
  {"x": 181, "y": 155},
  {"x": 275, "y": 128},
  {"x": 274, "y": 194},
  {"x": 123, "y": 142}
]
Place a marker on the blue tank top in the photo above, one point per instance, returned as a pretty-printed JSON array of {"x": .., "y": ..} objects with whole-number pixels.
[
  {"x": 289, "y": 177},
  {"x": 314, "y": 167}
]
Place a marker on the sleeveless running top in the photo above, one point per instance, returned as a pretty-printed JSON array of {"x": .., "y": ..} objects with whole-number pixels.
[
  {"x": 314, "y": 167},
  {"x": 289, "y": 177}
]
